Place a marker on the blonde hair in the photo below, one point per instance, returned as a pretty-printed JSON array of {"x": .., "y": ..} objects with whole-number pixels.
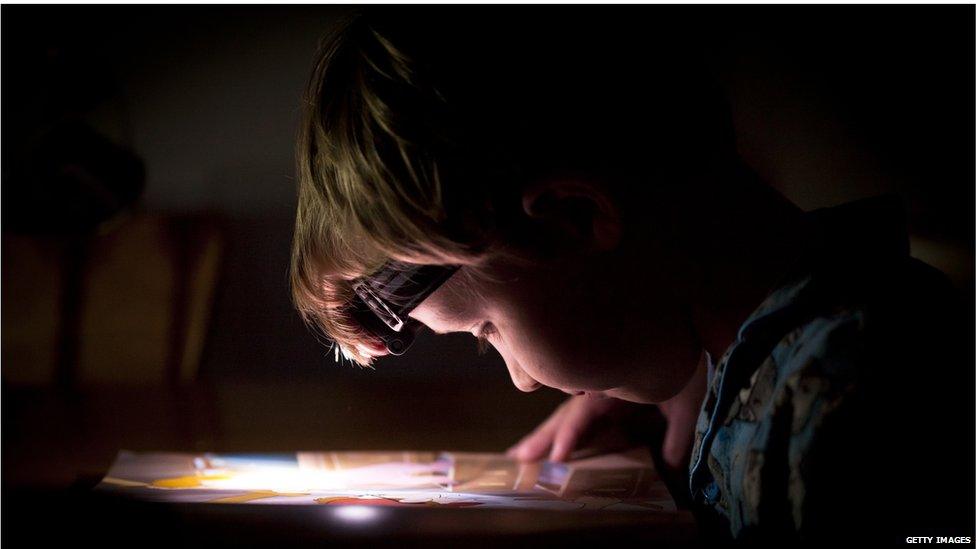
[
  {"x": 421, "y": 129},
  {"x": 370, "y": 183}
]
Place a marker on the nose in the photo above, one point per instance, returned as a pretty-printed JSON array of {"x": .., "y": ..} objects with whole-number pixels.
[{"x": 522, "y": 380}]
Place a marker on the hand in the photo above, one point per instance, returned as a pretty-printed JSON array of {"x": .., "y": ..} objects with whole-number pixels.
[{"x": 579, "y": 419}]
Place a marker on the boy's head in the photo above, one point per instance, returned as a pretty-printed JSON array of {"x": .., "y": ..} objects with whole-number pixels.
[{"x": 558, "y": 163}]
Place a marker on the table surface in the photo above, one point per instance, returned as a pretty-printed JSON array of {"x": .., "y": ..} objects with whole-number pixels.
[{"x": 57, "y": 446}]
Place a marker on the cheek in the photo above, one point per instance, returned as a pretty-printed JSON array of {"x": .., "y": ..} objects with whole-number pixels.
[
  {"x": 586, "y": 335},
  {"x": 542, "y": 339},
  {"x": 549, "y": 362}
]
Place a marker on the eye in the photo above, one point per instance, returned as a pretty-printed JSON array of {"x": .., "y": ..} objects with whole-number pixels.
[
  {"x": 485, "y": 333},
  {"x": 487, "y": 330}
]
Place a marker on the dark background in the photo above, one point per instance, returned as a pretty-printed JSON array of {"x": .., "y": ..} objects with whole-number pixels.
[{"x": 194, "y": 110}]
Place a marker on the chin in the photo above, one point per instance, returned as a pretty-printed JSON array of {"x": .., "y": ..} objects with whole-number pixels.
[
  {"x": 639, "y": 395},
  {"x": 630, "y": 396}
]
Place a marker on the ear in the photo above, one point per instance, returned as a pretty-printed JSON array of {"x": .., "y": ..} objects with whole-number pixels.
[{"x": 577, "y": 209}]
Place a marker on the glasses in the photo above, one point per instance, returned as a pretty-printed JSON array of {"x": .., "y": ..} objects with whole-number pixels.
[{"x": 384, "y": 300}]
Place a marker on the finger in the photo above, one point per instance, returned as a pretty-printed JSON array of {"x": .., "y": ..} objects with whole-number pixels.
[
  {"x": 535, "y": 445},
  {"x": 576, "y": 422},
  {"x": 564, "y": 442}
]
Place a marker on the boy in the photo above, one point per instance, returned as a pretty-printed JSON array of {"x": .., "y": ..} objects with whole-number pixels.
[{"x": 568, "y": 191}]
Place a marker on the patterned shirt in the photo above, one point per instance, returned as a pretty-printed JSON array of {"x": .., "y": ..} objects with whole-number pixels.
[{"x": 836, "y": 408}]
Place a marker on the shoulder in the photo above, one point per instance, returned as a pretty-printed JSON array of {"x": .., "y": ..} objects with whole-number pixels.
[
  {"x": 870, "y": 331},
  {"x": 797, "y": 411},
  {"x": 838, "y": 390},
  {"x": 808, "y": 376},
  {"x": 863, "y": 353},
  {"x": 819, "y": 365}
]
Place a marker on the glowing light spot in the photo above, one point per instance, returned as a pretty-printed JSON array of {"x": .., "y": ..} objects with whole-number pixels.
[{"x": 356, "y": 513}]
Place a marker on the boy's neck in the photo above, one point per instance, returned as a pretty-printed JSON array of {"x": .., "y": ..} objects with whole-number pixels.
[
  {"x": 746, "y": 258},
  {"x": 749, "y": 251}
]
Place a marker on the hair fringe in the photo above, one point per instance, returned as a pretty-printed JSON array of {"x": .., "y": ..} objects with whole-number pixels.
[{"x": 367, "y": 190}]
